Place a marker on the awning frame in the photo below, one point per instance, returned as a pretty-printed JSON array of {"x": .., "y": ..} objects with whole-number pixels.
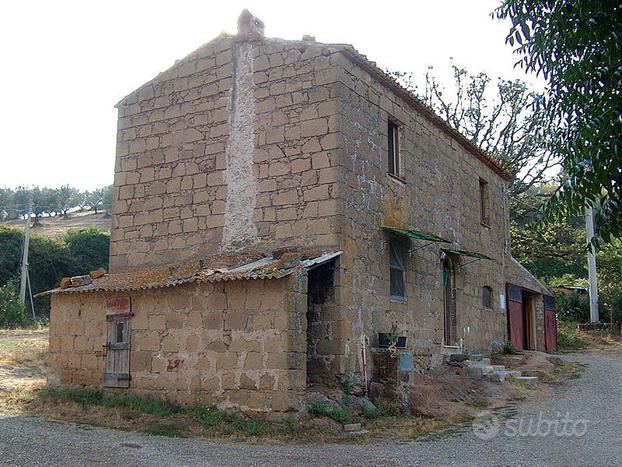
[
  {"x": 477, "y": 256},
  {"x": 415, "y": 234}
]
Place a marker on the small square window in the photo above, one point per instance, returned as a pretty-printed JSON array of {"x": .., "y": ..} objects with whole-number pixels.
[
  {"x": 484, "y": 202},
  {"x": 397, "y": 269},
  {"x": 393, "y": 148}
]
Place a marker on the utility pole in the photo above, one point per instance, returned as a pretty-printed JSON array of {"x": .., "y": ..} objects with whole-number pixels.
[
  {"x": 591, "y": 265},
  {"x": 24, "y": 275}
]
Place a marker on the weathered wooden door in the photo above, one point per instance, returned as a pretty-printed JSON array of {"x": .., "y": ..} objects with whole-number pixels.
[
  {"x": 550, "y": 324},
  {"x": 117, "y": 374},
  {"x": 449, "y": 302},
  {"x": 516, "y": 316}
]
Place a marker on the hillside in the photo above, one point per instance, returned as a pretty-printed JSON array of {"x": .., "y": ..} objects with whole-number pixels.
[{"x": 57, "y": 226}]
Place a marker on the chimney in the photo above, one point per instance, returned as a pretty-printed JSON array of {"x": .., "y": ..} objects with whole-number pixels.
[{"x": 250, "y": 26}]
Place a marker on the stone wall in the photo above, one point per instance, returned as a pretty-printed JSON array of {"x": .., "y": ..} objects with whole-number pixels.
[
  {"x": 234, "y": 344},
  {"x": 438, "y": 192},
  {"x": 232, "y": 147}
]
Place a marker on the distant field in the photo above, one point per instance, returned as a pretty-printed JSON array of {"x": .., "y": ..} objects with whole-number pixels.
[{"x": 57, "y": 226}]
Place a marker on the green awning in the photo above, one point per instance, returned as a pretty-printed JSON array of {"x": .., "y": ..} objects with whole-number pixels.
[
  {"x": 418, "y": 234},
  {"x": 472, "y": 254}
]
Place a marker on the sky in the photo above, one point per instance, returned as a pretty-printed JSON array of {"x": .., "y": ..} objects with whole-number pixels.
[{"x": 65, "y": 64}]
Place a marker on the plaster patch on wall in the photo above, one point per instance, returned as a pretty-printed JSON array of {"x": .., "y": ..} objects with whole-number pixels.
[{"x": 242, "y": 186}]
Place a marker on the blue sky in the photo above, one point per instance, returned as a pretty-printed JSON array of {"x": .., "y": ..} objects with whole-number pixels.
[{"x": 66, "y": 63}]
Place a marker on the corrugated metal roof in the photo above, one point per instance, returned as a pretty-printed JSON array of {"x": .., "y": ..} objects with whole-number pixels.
[{"x": 263, "y": 268}]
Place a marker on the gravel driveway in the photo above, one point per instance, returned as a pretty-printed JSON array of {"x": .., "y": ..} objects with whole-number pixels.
[{"x": 589, "y": 409}]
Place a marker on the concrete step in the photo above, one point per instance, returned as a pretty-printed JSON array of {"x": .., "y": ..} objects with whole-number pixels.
[
  {"x": 480, "y": 362},
  {"x": 498, "y": 367},
  {"x": 479, "y": 371},
  {"x": 502, "y": 375},
  {"x": 527, "y": 379}
]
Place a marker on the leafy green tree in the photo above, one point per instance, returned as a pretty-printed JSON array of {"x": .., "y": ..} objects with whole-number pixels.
[
  {"x": 89, "y": 248},
  {"x": 96, "y": 199},
  {"x": 577, "y": 46},
  {"x": 79, "y": 252},
  {"x": 65, "y": 197},
  {"x": 499, "y": 116},
  {"x": 12, "y": 311}
]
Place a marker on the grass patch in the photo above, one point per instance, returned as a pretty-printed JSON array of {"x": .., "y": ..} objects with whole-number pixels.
[
  {"x": 339, "y": 414},
  {"x": 172, "y": 431},
  {"x": 130, "y": 403},
  {"x": 569, "y": 340},
  {"x": 509, "y": 349},
  {"x": 380, "y": 411}
]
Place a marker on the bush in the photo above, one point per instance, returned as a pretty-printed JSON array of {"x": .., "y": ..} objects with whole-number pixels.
[
  {"x": 337, "y": 413},
  {"x": 573, "y": 306},
  {"x": 79, "y": 252},
  {"x": 569, "y": 340},
  {"x": 12, "y": 312}
]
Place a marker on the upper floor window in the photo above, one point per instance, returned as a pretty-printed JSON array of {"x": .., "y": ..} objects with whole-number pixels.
[
  {"x": 484, "y": 200},
  {"x": 397, "y": 268},
  {"x": 487, "y": 297},
  {"x": 393, "y": 148}
]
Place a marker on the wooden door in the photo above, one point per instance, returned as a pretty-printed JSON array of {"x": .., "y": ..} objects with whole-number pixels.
[
  {"x": 516, "y": 316},
  {"x": 449, "y": 303},
  {"x": 117, "y": 373},
  {"x": 550, "y": 324}
]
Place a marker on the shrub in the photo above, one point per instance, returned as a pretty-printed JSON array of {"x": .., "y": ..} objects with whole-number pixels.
[
  {"x": 509, "y": 349},
  {"x": 12, "y": 312},
  {"x": 573, "y": 306},
  {"x": 339, "y": 414},
  {"x": 569, "y": 340}
]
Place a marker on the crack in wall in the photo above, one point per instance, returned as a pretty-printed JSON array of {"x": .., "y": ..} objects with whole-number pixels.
[{"x": 239, "y": 229}]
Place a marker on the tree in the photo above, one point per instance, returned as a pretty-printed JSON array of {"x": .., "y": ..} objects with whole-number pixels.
[
  {"x": 95, "y": 199},
  {"x": 12, "y": 311},
  {"x": 65, "y": 198},
  {"x": 498, "y": 116},
  {"x": 107, "y": 199},
  {"x": 88, "y": 248},
  {"x": 577, "y": 46}
]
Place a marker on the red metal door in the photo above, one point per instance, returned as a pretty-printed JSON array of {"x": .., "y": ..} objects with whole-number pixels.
[
  {"x": 516, "y": 316},
  {"x": 550, "y": 324}
]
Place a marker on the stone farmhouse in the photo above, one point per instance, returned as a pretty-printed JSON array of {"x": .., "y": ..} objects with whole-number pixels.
[{"x": 282, "y": 210}]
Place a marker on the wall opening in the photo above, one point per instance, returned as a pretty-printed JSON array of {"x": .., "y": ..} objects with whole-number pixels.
[
  {"x": 529, "y": 304},
  {"x": 322, "y": 342}
]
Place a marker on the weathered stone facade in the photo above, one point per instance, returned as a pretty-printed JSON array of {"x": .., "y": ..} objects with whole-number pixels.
[
  {"x": 258, "y": 144},
  {"x": 237, "y": 343}
]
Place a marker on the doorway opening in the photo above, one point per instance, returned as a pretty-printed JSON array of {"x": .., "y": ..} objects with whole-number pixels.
[
  {"x": 449, "y": 302},
  {"x": 321, "y": 323},
  {"x": 529, "y": 316}
]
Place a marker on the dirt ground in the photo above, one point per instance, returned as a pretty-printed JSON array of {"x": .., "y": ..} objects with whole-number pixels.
[
  {"x": 22, "y": 364},
  {"x": 57, "y": 226}
]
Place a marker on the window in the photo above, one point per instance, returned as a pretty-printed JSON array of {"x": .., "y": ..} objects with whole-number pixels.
[
  {"x": 484, "y": 202},
  {"x": 120, "y": 328},
  {"x": 397, "y": 269},
  {"x": 487, "y": 297},
  {"x": 394, "y": 148}
]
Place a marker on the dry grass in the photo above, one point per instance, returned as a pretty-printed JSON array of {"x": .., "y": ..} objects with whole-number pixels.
[
  {"x": 570, "y": 339},
  {"x": 22, "y": 364},
  {"x": 57, "y": 226}
]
